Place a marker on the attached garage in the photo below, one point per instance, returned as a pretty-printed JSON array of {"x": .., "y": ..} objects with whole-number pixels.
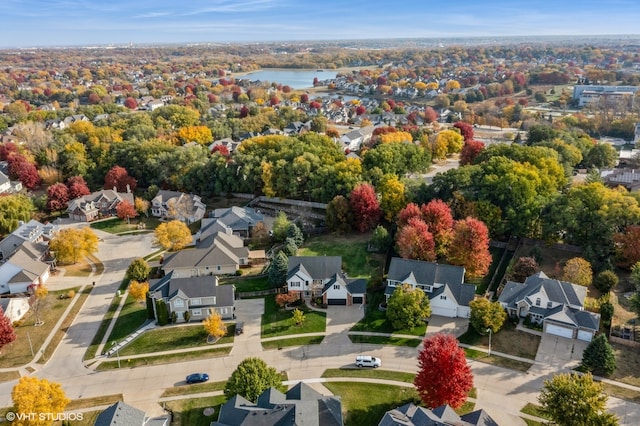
[
  {"x": 336, "y": 301},
  {"x": 557, "y": 330},
  {"x": 357, "y": 300},
  {"x": 585, "y": 335},
  {"x": 444, "y": 311}
]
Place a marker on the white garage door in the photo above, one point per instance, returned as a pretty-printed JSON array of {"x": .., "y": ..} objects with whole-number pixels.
[
  {"x": 559, "y": 331},
  {"x": 444, "y": 312},
  {"x": 585, "y": 335}
]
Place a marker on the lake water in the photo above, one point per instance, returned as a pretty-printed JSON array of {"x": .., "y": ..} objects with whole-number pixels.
[{"x": 296, "y": 79}]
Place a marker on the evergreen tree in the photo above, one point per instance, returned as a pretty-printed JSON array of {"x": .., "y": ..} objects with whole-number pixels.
[{"x": 598, "y": 357}]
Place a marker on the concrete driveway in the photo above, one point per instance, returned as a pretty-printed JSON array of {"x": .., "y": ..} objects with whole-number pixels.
[
  {"x": 440, "y": 324},
  {"x": 560, "y": 351}
]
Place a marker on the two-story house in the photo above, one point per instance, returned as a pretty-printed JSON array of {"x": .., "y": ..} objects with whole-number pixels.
[
  {"x": 174, "y": 205},
  {"x": 198, "y": 295},
  {"x": 322, "y": 276},
  {"x": 449, "y": 295},
  {"x": 240, "y": 219},
  {"x": 557, "y": 305},
  {"x": 97, "y": 205}
]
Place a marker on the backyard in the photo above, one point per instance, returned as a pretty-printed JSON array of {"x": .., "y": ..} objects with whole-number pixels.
[
  {"x": 375, "y": 320},
  {"x": 115, "y": 225}
]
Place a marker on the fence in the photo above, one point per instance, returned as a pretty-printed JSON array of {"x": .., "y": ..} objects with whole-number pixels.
[
  {"x": 250, "y": 294},
  {"x": 625, "y": 342}
]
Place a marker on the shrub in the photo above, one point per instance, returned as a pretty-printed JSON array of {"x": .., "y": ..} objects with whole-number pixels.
[
  {"x": 71, "y": 294},
  {"x": 174, "y": 317}
]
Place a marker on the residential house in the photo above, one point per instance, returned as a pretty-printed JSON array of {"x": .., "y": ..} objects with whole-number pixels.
[
  {"x": 627, "y": 178},
  {"x": 228, "y": 143},
  {"x": 557, "y": 305},
  {"x": 174, "y": 205},
  {"x": 299, "y": 405},
  {"x": 218, "y": 254},
  {"x": 21, "y": 270},
  {"x": 240, "y": 219},
  {"x": 14, "y": 308},
  {"x": 322, "y": 276},
  {"x": 36, "y": 234},
  {"x": 413, "y": 415},
  {"x": 8, "y": 186},
  {"x": 124, "y": 414},
  {"x": 97, "y": 205},
  {"x": 201, "y": 296},
  {"x": 354, "y": 139},
  {"x": 636, "y": 134},
  {"x": 449, "y": 295}
]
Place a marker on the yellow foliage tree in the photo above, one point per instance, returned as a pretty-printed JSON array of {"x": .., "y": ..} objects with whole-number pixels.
[
  {"x": 138, "y": 290},
  {"x": 452, "y": 85},
  {"x": 393, "y": 198},
  {"x": 174, "y": 235},
  {"x": 578, "y": 271},
  {"x": 452, "y": 139},
  {"x": 72, "y": 244},
  {"x": 396, "y": 137},
  {"x": 142, "y": 206},
  {"x": 298, "y": 317},
  {"x": 198, "y": 134},
  {"x": 214, "y": 325},
  {"x": 34, "y": 395}
]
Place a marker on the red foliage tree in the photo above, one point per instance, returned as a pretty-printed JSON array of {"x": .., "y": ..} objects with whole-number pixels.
[
  {"x": 273, "y": 101},
  {"x": 118, "y": 177},
  {"x": 470, "y": 151},
  {"x": 7, "y": 333},
  {"x": 411, "y": 211},
  {"x": 443, "y": 374},
  {"x": 283, "y": 299},
  {"x": 430, "y": 115},
  {"x": 414, "y": 241},
  {"x": 77, "y": 187},
  {"x": 627, "y": 246},
  {"x": 470, "y": 247},
  {"x": 466, "y": 130},
  {"x": 20, "y": 168},
  {"x": 130, "y": 103},
  {"x": 365, "y": 206},
  {"x": 220, "y": 149},
  {"x": 361, "y": 109},
  {"x": 125, "y": 210},
  {"x": 304, "y": 98},
  {"x": 57, "y": 197},
  {"x": 437, "y": 215},
  {"x": 7, "y": 150}
]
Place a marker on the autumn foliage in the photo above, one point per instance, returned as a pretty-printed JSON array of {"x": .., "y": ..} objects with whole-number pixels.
[
  {"x": 627, "y": 246},
  {"x": 470, "y": 247},
  {"x": 214, "y": 325},
  {"x": 7, "y": 333},
  {"x": 443, "y": 374},
  {"x": 470, "y": 151},
  {"x": 414, "y": 241},
  {"x": 118, "y": 177},
  {"x": 125, "y": 210},
  {"x": 365, "y": 207},
  {"x": 138, "y": 290},
  {"x": 34, "y": 395},
  {"x": 284, "y": 299}
]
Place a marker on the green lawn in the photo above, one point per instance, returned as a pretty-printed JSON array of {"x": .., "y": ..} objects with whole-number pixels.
[
  {"x": 356, "y": 261},
  {"x": 497, "y": 360},
  {"x": 534, "y": 410},
  {"x": 116, "y": 225},
  {"x": 279, "y": 322},
  {"x": 365, "y": 404},
  {"x": 248, "y": 284},
  {"x": 163, "y": 359},
  {"x": 190, "y": 411},
  {"x": 508, "y": 340},
  {"x": 375, "y": 320},
  {"x": 173, "y": 337},
  {"x": 398, "y": 376},
  {"x": 194, "y": 388},
  {"x": 383, "y": 340},
  {"x": 295, "y": 341},
  {"x": 131, "y": 317},
  {"x": 106, "y": 320}
]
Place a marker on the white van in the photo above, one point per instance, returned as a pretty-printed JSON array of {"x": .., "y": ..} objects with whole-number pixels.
[{"x": 368, "y": 361}]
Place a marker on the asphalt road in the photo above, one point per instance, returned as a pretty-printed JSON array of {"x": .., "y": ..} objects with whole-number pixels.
[{"x": 501, "y": 392}]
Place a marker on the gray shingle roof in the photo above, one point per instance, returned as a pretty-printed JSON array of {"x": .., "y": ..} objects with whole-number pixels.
[
  {"x": 194, "y": 287},
  {"x": 353, "y": 286},
  {"x": 412, "y": 415},
  {"x": 120, "y": 414},
  {"x": 238, "y": 218},
  {"x": 318, "y": 267}
]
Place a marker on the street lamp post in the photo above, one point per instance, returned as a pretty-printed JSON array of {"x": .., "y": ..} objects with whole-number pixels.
[
  {"x": 115, "y": 343},
  {"x": 489, "y": 331}
]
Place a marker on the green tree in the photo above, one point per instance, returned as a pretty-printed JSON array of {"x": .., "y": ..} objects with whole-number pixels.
[
  {"x": 381, "y": 239},
  {"x": 485, "y": 314},
  {"x": 138, "y": 270},
  {"x": 289, "y": 247},
  {"x": 605, "y": 281},
  {"x": 162, "y": 313},
  {"x": 295, "y": 234},
  {"x": 339, "y": 215},
  {"x": 407, "y": 307},
  {"x": 598, "y": 357},
  {"x": 280, "y": 226},
  {"x": 252, "y": 377},
  {"x": 601, "y": 156},
  {"x": 13, "y": 209},
  {"x": 575, "y": 400},
  {"x": 278, "y": 269}
]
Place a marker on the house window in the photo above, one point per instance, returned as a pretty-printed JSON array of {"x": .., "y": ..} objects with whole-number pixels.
[
  {"x": 336, "y": 286},
  {"x": 549, "y": 305},
  {"x": 218, "y": 268},
  {"x": 197, "y": 301},
  {"x": 294, "y": 284},
  {"x": 178, "y": 303},
  {"x": 538, "y": 301},
  {"x": 196, "y": 312},
  {"x": 223, "y": 311}
]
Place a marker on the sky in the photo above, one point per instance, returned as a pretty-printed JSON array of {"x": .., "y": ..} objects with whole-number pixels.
[{"x": 41, "y": 23}]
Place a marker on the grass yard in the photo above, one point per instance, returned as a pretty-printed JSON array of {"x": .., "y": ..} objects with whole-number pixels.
[
  {"x": 163, "y": 359},
  {"x": 508, "y": 340},
  {"x": 628, "y": 365},
  {"x": 279, "y": 322},
  {"x": 106, "y": 320},
  {"x": 18, "y": 352},
  {"x": 398, "y": 376},
  {"x": 534, "y": 410},
  {"x": 295, "y": 341},
  {"x": 366, "y": 403},
  {"x": 131, "y": 317},
  {"x": 173, "y": 337},
  {"x": 78, "y": 404},
  {"x": 552, "y": 259},
  {"x": 356, "y": 261},
  {"x": 383, "y": 340},
  {"x": 248, "y": 284},
  {"x": 375, "y": 320},
  {"x": 191, "y": 411},
  {"x": 622, "y": 393},
  {"x": 194, "y": 388},
  {"x": 115, "y": 225},
  {"x": 497, "y": 360},
  {"x": 7, "y": 376}
]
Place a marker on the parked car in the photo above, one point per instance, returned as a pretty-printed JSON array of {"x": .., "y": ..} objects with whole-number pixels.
[
  {"x": 368, "y": 361},
  {"x": 197, "y": 378},
  {"x": 239, "y": 328}
]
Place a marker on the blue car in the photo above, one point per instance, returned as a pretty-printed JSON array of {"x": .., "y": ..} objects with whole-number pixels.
[{"x": 197, "y": 378}]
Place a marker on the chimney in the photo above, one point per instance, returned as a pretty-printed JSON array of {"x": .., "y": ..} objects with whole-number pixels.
[{"x": 128, "y": 189}]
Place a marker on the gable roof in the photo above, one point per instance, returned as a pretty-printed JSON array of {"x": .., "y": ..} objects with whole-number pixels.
[
  {"x": 448, "y": 276},
  {"x": 412, "y": 415},
  {"x": 561, "y": 292},
  {"x": 317, "y": 267},
  {"x": 120, "y": 414},
  {"x": 238, "y": 218},
  {"x": 219, "y": 249},
  {"x": 353, "y": 286},
  {"x": 193, "y": 287},
  {"x": 111, "y": 197}
]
